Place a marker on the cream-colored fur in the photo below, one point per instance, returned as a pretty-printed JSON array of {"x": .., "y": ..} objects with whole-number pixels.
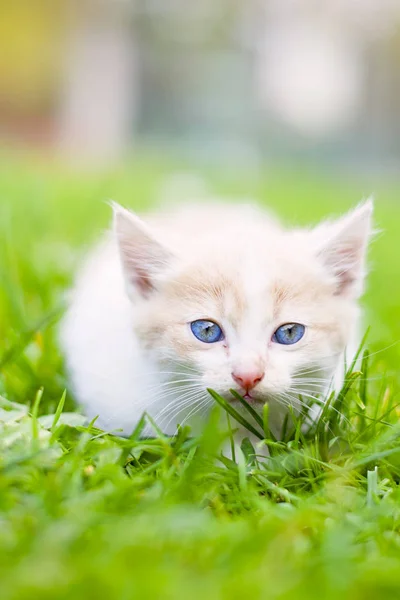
[{"x": 127, "y": 339}]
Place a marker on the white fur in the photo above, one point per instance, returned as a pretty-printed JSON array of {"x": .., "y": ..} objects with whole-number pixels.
[{"x": 127, "y": 338}]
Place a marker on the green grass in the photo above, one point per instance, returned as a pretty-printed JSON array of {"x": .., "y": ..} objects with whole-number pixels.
[{"x": 87, "y": 515}]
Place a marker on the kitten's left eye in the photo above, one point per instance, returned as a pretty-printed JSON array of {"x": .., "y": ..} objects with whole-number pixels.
[
  {"x": 207, "y": 331},
  {"x": 288, "y": 334}
]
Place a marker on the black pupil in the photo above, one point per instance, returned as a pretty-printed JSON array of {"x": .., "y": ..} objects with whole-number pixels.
[{"x": 208, "y": 330}]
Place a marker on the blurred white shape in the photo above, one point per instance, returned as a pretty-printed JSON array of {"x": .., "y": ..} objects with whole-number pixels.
[
  {"x": 180, "y": 186},
  {"x": 98, "y": 103},
  {"x": 309, "y": 76},
  {"x": 370, "y": 19},
  {"x": 364, "y": 19},
  {"x": 190, "y": 188}
]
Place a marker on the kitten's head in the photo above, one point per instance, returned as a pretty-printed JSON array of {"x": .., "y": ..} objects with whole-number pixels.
[{"x": 244, "y": 304}]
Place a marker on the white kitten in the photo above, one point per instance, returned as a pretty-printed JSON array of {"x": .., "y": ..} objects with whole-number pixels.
[{"x": 212, "y": 297}]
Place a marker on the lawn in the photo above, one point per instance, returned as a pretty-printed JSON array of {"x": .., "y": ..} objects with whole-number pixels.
[{"x": 84, "y": 514}]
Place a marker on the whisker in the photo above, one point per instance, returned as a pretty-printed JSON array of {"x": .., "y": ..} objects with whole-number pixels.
[
  {"x": 179, "y": 401},
  {"x": 322, "y": 403},
  {"x": 203, "y": 404},
  {"x": 178, "y": 409},
  {"x": 155, "y": 398},
  {"x": 179, "y": 384}
]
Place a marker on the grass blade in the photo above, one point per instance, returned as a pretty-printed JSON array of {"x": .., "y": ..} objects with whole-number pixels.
[
  {"x": 237, "y": 416},
  {"x": 363, "y": 380},
  {"x": 58, "y": 412},
  {"x": 34, "y": 414},
  {"x": 247, "y": 406},
  {"x": 231, "y": 439}
]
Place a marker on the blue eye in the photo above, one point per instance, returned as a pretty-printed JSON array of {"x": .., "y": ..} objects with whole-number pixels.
[
  {"x": 207, "y": 331},
  {"x": 288, "y": 334}
]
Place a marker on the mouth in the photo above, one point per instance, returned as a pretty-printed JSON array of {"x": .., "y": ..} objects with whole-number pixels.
[
  {"x": 253, "y": 399},
  {"x": 247, "y": 396}
]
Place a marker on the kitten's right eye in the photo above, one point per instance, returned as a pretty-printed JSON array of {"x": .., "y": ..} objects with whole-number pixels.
[{"x": 207, "y": 331}]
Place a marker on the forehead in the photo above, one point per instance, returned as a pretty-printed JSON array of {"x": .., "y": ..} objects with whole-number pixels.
[{"x": 246, "y": 288}]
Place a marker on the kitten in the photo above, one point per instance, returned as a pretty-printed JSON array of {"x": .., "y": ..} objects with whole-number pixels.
[{"x": 213, "y": 297}]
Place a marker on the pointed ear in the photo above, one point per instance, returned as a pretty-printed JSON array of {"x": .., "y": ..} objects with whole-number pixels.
[
  {"x": 342, "y": 245},
  {"x": 143, "y": 258}
]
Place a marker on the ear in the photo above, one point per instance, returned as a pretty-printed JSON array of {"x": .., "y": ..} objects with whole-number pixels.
[
  {"x": 142, "y": 257},
  {"x": 342, "y": 245}
]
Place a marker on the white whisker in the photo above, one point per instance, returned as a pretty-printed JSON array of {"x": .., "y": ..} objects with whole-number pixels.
[
  {"x": 181, "y": 406},
  {"x": 178, "y": 401}
]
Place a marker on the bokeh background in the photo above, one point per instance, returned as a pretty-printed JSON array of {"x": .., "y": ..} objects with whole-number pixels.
[
  {"x": 293, "y": 102},
  {"x": 218, "y": 80}
]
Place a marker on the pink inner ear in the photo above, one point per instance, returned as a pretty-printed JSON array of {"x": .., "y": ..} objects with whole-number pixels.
[
  {"x": 143, "y": 258},
  {"x": 137, "y": 270},
  {"x": 345, "y": 280},
  {"x": 346, "y": 268},
  {"x": 342, "y": 248},
  {"x": 143, "y": 281},
  {"x": 344, "y": 260}
]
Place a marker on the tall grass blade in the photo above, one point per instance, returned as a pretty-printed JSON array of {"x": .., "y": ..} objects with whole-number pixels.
[
  {"x": 237, "y": 416},
  {"x": 58, "y": 412},
  {"x": 248, "y": 407}
]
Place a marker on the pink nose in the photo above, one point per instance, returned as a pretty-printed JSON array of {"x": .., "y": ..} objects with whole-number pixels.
[{"x": 247, "y": 379}]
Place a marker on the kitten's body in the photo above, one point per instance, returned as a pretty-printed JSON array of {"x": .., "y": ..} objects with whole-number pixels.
[{"x": 127, "y": 337}]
